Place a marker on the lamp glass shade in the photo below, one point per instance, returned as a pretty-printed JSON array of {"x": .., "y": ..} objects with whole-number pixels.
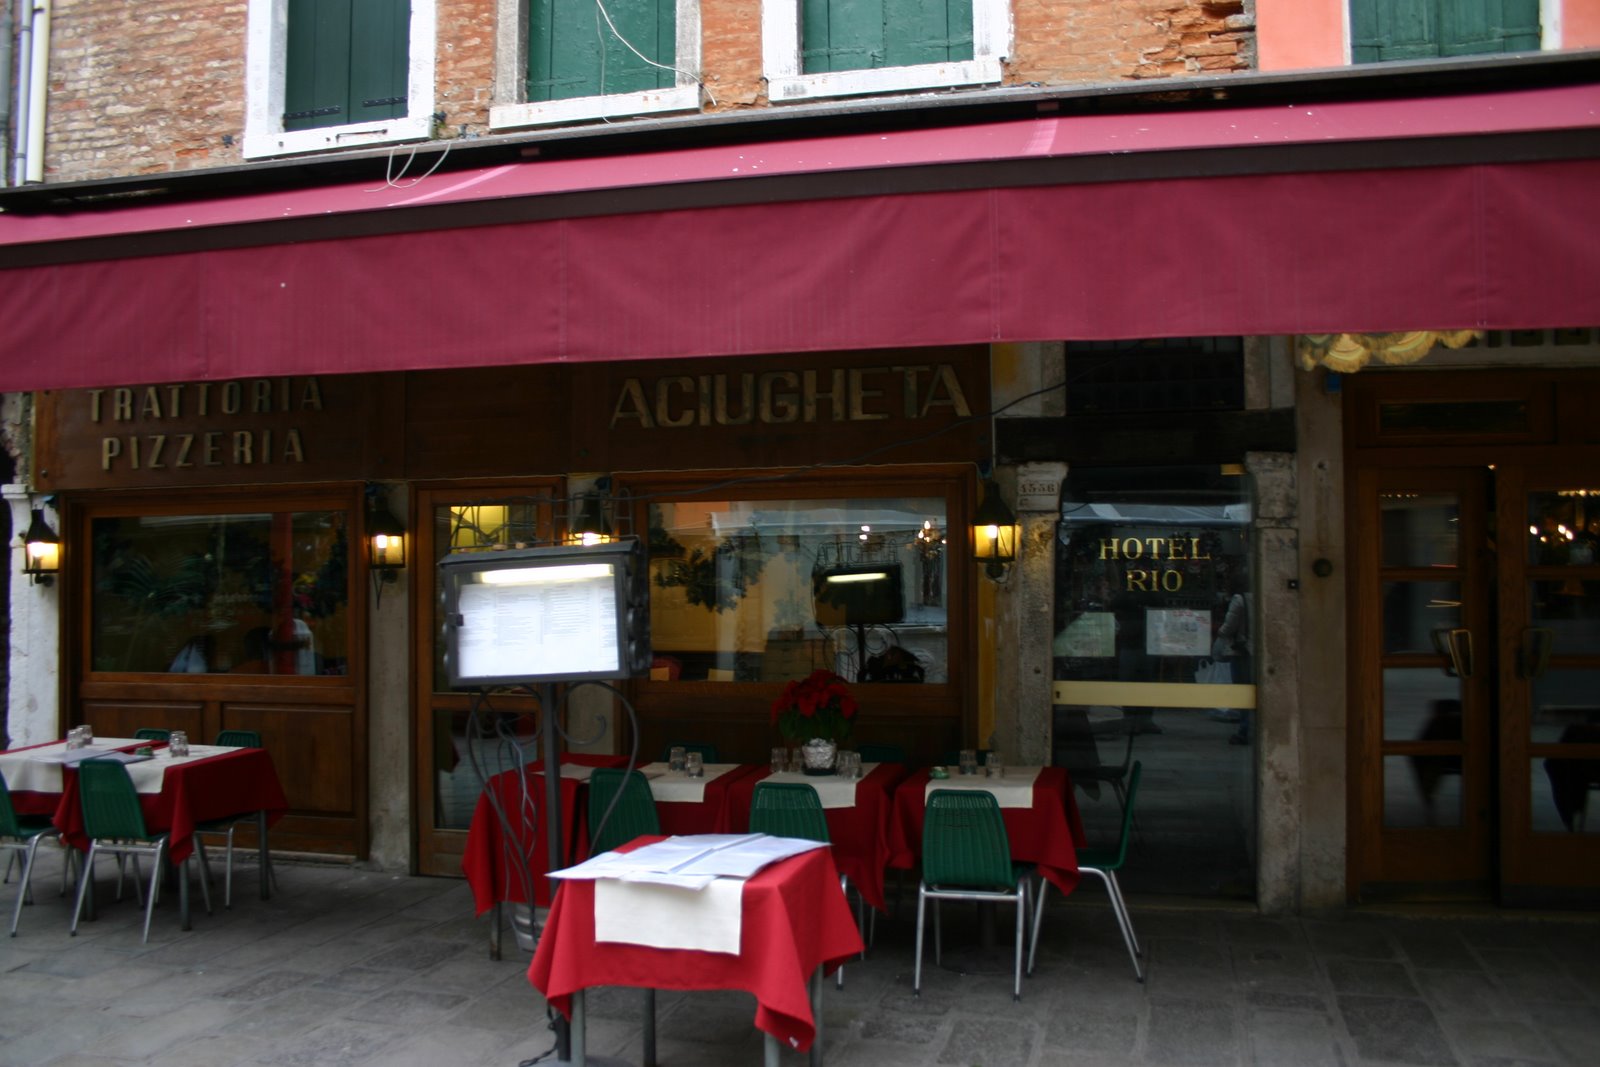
[
  {"x": 386, "y": 542},
  {"x": 41, "y": 547},
  {"x": 994, "y": 529},
  {"x": 589, "y": 525}
]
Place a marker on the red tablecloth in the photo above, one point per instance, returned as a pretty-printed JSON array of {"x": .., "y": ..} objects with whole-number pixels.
[
  {"x": 1047, "y": 834},
  {"x": 711, "y": 815},
  {"x": 194, "y": 791},
  {"x": 794, "y": 919},
  {"x": 490, "y": 861},
  {"x": 860, "y": 834}
]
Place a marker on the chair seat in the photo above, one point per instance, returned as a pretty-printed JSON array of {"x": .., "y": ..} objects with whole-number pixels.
[{"x": 1019, "y": 871}]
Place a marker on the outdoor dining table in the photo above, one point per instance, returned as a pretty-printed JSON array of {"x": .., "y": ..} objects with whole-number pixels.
[
  {"x": 176, "y": 795},
  {"x": 1036, "y": 804},
  {"x": 701, "y": 805},
  {"x": 507, "y": 849},
  {"x": 795, "y": 926},
  {"x": 857, "y": 813}
]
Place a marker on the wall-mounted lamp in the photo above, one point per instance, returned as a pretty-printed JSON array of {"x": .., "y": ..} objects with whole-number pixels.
[
  {"x": 588, "y": 524},
  {"x": 994, "y": 532},
  {"x": 386, "y": 544},
  {"x": 41, "y": 550}
]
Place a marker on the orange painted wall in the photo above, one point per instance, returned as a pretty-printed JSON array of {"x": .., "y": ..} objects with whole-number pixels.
[
  {"x": 1580, "y": 24},
  {"x": 1296, "y": 34}
]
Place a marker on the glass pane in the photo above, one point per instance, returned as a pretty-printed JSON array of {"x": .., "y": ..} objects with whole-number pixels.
[
  {"x": 770, "y": 590},
  {"x": 1564, "y": 791},
  {"x": 1417, "y": 616},
  {"x": 468, "y": 751},
  {"x": 505, "y": 522},
  {"x": 1421, "y": 791},
  {"x": 1563, "y": 527},
  {"x": 1566, "y": 706},
  {"x": 1421, "y": 704},
  {"x": 205, "y": 594},
  {"x": 1420, "y": 529},
  {"x": 1567, "y": 612}
]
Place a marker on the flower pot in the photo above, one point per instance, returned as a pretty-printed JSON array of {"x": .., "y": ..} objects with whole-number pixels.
[{"x": 819, "y": 755}]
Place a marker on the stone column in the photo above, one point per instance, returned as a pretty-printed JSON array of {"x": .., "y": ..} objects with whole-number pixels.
[
  {"x": 389, "y": 726},
  {"x": 34, "y": 714},
  {"x": 1025, "y": 617}
]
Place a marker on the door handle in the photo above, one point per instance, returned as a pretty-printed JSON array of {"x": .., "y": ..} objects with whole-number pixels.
[
  {"x": 1533, "y": 658},
  {"x": 1461, "y": 651}
]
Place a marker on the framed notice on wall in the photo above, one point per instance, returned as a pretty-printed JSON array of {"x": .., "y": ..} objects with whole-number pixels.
[
  {"x": 1177, "y": 632},
  {"x": 1091, "y": 634}
]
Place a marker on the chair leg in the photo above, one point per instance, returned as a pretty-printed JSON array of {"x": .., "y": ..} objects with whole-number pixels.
[
  {"x": 916, "y": 967},
  {"x": 844, "y": 887},
  {"x": 1022, "y": 919},
  {"x": 22, "y": 890},
  {"x": 85, "y": 877},
  {"x": 938, "y": 933},
  {"x": 155, "y": 888},
  {"x": 205, "y": 873},
  {"x": 11, "y": 861},
  {"x": 1119, "y": 910},
  {"x": 1038, "y": 919}
]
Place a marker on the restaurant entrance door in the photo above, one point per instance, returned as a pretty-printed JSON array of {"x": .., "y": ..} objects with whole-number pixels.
[{"x": 1475, "y": 653}]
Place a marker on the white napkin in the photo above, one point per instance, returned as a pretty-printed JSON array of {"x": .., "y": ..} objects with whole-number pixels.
[
  {"x": 833, "y": 791},
  {"x": 1015, "y": 790},
  {"x": 662, "y": 916},
  {"x": 671, "y": 788}
]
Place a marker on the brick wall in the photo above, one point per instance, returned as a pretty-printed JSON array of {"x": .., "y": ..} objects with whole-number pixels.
[{"x": 156, "y": 85}]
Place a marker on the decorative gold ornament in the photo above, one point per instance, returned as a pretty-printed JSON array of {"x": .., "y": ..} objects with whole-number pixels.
[{"x": 1347, "y": 353}]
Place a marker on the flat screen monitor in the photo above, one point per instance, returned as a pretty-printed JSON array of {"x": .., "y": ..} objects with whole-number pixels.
[
  {"x": 558, "y": 613},
  {"x": 862, "y": 594}
]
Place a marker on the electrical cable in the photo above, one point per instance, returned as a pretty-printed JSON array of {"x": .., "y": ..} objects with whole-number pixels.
[{"x": 601, "y": 7}]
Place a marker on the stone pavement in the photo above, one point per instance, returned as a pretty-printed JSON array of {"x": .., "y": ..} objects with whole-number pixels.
[{"x": 346, "y": 966}]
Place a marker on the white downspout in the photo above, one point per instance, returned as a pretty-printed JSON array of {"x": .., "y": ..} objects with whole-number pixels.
[
  {"x": 38, "y": 89},
  {"x": 19, "y": 144}
]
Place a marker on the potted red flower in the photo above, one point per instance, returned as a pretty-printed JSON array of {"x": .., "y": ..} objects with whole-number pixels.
[{"x": 817, "y": 711}]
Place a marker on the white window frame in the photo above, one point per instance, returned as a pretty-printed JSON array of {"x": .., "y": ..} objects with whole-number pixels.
[
  {"x": 513, "y": 75},
  {"x": 780, "y": 58},
  {"x": 266, "y": 70}
]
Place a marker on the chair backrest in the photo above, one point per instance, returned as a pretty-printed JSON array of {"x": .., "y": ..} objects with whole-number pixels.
[
  {"x": 871, "y": 753},
  {"x": 110, "y": 803},
  {"x": 964, "y": 841},
  {"x": 1127, "y": 815},
  {"x": 239, "y": 739},
  {"x": 788, "y": 809},
  {"x": 708, "y": 753},
  {"x": 634, "y": 814},
  {"x": 150, "y": 733},
  {"x": 9, "y": 826}
]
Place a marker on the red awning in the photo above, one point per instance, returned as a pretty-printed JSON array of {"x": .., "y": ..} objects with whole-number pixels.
[{"x": 1461, "y": 244}]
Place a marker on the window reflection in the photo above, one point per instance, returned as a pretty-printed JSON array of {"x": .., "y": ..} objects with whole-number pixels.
[{"x": 1564, "y": 527}]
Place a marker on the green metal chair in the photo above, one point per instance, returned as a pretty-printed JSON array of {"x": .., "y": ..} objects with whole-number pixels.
[
  {"x": 1104, "y": 863},
  {"x": 115, "y": 825},
  {"x": 708, "y": 753},
  {"x": 21, "y": 834},
  {"x": 871, "y": 753},
  {"x": 633, "y": 814},
  {"x": 966, "y": 855},
  {"x": 793, "y": 809},
  {"x": 227, "y": 824},
  {"x": 151, "y": 733}
]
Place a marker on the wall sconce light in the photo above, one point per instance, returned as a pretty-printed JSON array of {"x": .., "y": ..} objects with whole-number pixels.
[
  {"x": 386, "y": 543},
  {"x": 588, "y": 526},
  {"x": 994, "y": 532},
  {"x": 41, "y": 551}
]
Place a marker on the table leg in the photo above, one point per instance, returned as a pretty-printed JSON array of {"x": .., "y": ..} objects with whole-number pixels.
[
  {"x": 264, "y": 856},
  {"x": 770, "y": 1051},
  {"x": 494, "y": 931},
  {"x": 816, "y": 1017},
  {"x": 579, "y": 1031},
  {"x": 183, "y": 893},
  {"x": 649, "y": 1028}
]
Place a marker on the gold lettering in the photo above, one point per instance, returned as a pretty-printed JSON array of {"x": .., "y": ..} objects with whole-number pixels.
[
  {"x": 121, "y": 405},
  {"x": 261, "y": 397},
  {"x": 1194, "y": 549},
  {"x": 1109, "y": 548},
  {"x": 1155, "y": 546},
  {"x": 311, "y": 396},
  {"x": 293, "y": 450},
  {"x": 779, "y": 407},
  {"x": 133, "y": 451},
  {"x": 110, "y": 449},
  {"x": 1132, "y": 548},
  {"x": 1137, "y": 579},
  {"x": 151, "y": 409},
  {"x": 210, "y": 446},
  {"x": 1172, "y": 581},
  {"x": 909, "y": 384},
  {"x": 205, "y": 399},
  {"x": 945, "y": 391},
  {"x": 94, "y": 404},
  {"x": 185, "y": 443},
  {"x": 243, "y": 446},
  {"x": 834, "y": 395},
  {"x": 631, "y": 405},
  {"x": 747, "y": 398},
  {"x": 664, "y": 417},
  {"x": 1175, "y": 549},
  {"x": 157, "y": 441},
  {"x": 860, "y": 394},
  {"x": 232, "y": 396},
  {"x": 175, "y": 401},
  {"x": 703, "y": 415}
]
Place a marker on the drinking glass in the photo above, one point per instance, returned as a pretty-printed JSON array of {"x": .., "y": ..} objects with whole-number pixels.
[
  {"x": 178, "y": 743},
  {"x": 797, "y": 762},
  {"x": 969, "y": 761},
  {"x": 88, "y": 734},
  {"x": 780, "y": 760},
  {"x": 995, "y": 767},
  {"x": 676, "y": 759},
  {"x": 75, "y": 737},
  {"x": 694, "y": 765},
  {"x": 852, "y": 765}
]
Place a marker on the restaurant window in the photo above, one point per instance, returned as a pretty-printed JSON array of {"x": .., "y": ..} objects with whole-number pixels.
[
  {"x": 1426, "y": 29},
  {"x": 1154, "y": 604},
  {"x": 770, "y": 590},
  {"x": 226, "y": 593}
]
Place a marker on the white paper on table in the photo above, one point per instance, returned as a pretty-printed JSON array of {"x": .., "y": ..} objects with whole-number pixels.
[
  {"x": 670, "y": 788},
  {"x": 691, "y": 859},
  {"x": 832, "y": 790},
  {"x": 38, "y": 770},
  {"x": 664, "y": 916},
  {"x": 1015, "y": 790}
]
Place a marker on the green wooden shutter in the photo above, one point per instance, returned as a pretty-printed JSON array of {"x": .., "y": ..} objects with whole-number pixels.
[
  {"x": 1419, "y": 29},
  {"x": 347, "y": 62},
  {"x": 840, "y": 35},
  {"x": 572, "y": 52}
]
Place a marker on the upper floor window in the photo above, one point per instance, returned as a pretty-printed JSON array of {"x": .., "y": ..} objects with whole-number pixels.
[
  {"x": 587, "y": 61},
  {"x": 1422, "y": 29},
  {"x": 818, "y": 48},
  {"x": 338, "y": 73}
]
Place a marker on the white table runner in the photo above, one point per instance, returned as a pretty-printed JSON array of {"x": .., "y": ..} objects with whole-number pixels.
[
  {"x": 670, "y": 788},
  {"x": 1015, "y": 790},
  {"x": 25, "y": 772},
  {"x": 833, "y": 791}
]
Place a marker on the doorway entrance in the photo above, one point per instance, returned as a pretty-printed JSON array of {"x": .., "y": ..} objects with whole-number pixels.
[{"x": 1474, "y": 510}]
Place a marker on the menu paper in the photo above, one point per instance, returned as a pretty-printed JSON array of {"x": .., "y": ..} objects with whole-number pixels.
[{"x": 538, "y": 628}]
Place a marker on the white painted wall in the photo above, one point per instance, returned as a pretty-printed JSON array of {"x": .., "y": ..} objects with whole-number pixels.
[{"x": 34, "y": 616}]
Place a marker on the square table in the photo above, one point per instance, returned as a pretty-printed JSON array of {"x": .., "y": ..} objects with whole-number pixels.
[
  {"x": 795, "y": 925},
  {"x": 1047, "y": 832},
  {"x": 687, "y": 805},
  {"x": 858, "y": 831}
]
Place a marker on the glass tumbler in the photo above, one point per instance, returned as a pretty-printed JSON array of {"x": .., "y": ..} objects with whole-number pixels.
[
  {"x": 694, "y": 765},
  {"x": 88, "y": 734},
  {"x": 676, "y": 759},
  {"x": 994, "y": 766},
  {"x": 780, "y": 760},
  {"x": 178, "y": 743},
  {"x": 969, "y": 761}
]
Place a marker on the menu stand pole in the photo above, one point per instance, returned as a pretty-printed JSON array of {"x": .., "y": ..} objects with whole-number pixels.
[{"x": 553, "y": 849}]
